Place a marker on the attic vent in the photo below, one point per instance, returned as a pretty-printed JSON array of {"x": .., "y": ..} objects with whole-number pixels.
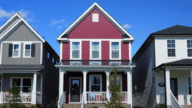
[{"x": 95, "y": 17}]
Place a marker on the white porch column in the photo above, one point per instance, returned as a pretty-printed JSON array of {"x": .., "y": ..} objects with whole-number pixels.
[
  {"x": 168, "y": 96},
  {"x": 61, "y": 81},
  {"x": 129, "y": 86},
  {"x": 85, "y": 85},
  {"x": 107, "y": 86},
  {"x": 34, "y": 91}
]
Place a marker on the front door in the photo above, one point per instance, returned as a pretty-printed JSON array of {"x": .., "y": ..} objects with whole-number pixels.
[
  {"x": 75, "y": 90},
  {"x": 174, "y": 89}
]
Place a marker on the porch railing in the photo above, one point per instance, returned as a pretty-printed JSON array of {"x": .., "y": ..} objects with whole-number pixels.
[
  {"x": 25, "y": 97},
  {"x": 124, "y": 97},
  {"x": 39, "y": 98},
  {"x": 62, "y": 100},
  {"x": 96, "y": 97},
  {"x": 95, "y": 62},
  {"x": 174, "y": 102}
]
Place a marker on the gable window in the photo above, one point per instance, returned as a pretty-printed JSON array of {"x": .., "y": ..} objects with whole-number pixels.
[
  {"x": 27, "y": 50},
  {"x": 115, "y": 50},
  {"x": 171, "y": 48},
  {"x": 95, "y": 83},
  {"x": 75, "y": 49},
  {"x": 189, "y": 48},
  {"x": 23, "y": 83},
  {"x": 189, "y": 84},
  {"x": 95, "y": 17},
  {"x": 95, "y": 53},
  {"x": 15, "y": 50}
]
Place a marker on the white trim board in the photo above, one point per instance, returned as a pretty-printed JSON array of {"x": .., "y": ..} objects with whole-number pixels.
[{"x": 94, "y": 5}]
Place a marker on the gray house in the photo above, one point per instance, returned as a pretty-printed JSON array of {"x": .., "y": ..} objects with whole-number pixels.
[{"x": 27, "y": 59}]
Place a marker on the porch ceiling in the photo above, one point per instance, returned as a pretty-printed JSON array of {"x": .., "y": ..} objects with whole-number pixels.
[{"x": 21, "y": 67}]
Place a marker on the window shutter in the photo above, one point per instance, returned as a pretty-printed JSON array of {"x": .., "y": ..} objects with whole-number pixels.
[
  {"x": 33, "y": 50},
  {"x": 10, "y": 50}
]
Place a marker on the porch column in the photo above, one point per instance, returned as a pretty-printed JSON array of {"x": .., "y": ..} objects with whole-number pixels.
[
  {"x": 107, "y": 86},
  {"x": 61, "y": 81},
  {"x": 85, "y": 86},
  {"x": 129, "y": 87},
  {"x": 34, "y": 91},
  {"x": 168, "y": 95}
]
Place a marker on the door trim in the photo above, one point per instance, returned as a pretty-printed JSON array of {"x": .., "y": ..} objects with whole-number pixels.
[{"x": 70, "y": 88}]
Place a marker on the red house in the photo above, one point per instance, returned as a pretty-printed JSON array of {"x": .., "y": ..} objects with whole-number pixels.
[{"x": 90, "y": 49}]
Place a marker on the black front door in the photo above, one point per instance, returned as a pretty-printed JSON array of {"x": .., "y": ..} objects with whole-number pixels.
[
  {"x": 174, "y": 89},
  {"x": 75, "y": 90}
]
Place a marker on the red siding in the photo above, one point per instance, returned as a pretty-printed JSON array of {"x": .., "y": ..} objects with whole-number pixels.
[
  {"x": 66, "y": 52},
  {"x": 103, "y": 29},
  {"x": 105, "y": 52},
  {"x": 85, "y": 52},
  {"x": 124, "y": 50}
]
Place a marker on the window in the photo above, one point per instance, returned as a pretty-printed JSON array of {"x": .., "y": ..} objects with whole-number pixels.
[
  {"x": 75, "y": 49},
  {"x": 47, "y": 58},
  {"x": 23, "y": 83},
  {"x": 0, "y": 82},
  {"x": 189, "y": 48},
  {"x": 189, "y": 84},
  {"x": 115, "y": 50},
  {"x": 95, "y": 83},
  {"x": 95, "y": 53},
  {"x": 171, "y": 48},
  {"x": 15, "y": 50},
  {"x": 53, "y": 59},
  {"x": 27, "y": 50},
  {"x": 95, "y": 17}
]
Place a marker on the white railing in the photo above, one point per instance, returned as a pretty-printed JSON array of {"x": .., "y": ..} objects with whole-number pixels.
[
  {"x": 174, "y": 102},
  {"x": 124, "y": 97},
  {"x": 39, "y": 98},
  {"x": 96, "y": 97},
  {"x": 62, "y": 100},
  {"x": 25, "y": 97}
]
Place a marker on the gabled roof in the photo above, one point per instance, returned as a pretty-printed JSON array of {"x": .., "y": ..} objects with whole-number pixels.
[
  {"x": 176, "y": 30},
  {"x": 95, "y": 5},
  {"x": 21, "y": 20}
]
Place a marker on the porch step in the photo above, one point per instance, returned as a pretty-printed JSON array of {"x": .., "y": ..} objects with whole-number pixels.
[
  {"x": 186, "y": 106},
  {"x": 71, "y": 105}
]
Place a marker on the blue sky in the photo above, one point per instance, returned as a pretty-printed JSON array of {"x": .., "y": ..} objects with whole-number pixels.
[{"x": 139, "y": 17}]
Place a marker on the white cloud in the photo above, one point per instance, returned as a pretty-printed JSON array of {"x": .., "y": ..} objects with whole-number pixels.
[
  {"x": 53, "y": 22},
  {"x": 29, "y": 16},
  {"x": 126, "y": 26},
  {"x": 62, "y": 20},
  {"x": 59, "y": 27}
]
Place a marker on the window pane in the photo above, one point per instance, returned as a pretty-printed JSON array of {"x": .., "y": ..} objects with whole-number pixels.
[
  {"x": 171, "y": 52},
  {"x": 26, "y": 89},
  {"x": 75, "y": 54},
  {"x": 168, "y": 41},
  {"x": 95, "y": 80},
  {"x": 95, "y": 88},
  {"x": 27, "y": 47},
  {"x": 27, "y": 53},
  {"x": 26, "y": 82},
  {"x": 189, "y": 52},
  {"x": 15, "y": 53},
  {"x": 189, "y": 80},
  {"x": 95, "y": 45},
  {"x": 17, "y": 81},
  {"x": 115, "y": 54},
  {"x": 75, "y": 45},
  {"x": 16, "y": 46},
  {"x": 189, "y": 89},
  {"x": 95, "y": 54},
  {"x": 115, "y": 45}
]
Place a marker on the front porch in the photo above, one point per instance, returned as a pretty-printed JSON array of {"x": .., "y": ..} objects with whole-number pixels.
[
  {"x": 30, "y": 84},
  {"x": 88, "y": 85}
]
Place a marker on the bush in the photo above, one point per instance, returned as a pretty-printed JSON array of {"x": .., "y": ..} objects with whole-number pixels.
[
  {"x": 160, "y": 105},
  {"x": 52, "y": 104}
]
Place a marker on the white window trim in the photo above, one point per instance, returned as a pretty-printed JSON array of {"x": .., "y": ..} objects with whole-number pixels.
[
  {"x": 110, "y": 50},
  {"x": 188, "y": 48},
  {"x": 18, "y": 50},
  {"x": 188, "y": 85},
  {"x": 24, "y": 49},
  {"x": 93, "y": 19},
  {"x": 21, "y": 83},
  {"x": 171, "y": 48},
  {"x": 91, "y": 50},
  {"x": 90, "y": 81},
  {"x": 80, "y": 48}
]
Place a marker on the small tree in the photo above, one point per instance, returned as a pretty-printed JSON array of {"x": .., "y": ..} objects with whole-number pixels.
[
  {"x": 115, "y": 90},
  {"x": 52, "y": 104}
]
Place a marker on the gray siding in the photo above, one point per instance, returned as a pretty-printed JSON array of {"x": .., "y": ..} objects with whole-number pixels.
[
  {"x": 22, "y": 33},
  {"x": 21, "y": 61},
  {"x": 143, "y": 75}
]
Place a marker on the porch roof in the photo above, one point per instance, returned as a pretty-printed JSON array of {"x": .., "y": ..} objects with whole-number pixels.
[
  {"x": 181, "y": 63},
  {"x": 21, "y": 67}
]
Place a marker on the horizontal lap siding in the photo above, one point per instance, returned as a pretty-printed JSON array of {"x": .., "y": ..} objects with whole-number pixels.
[
  {"x": 124, "y": 52},
  {"x": 66, "y": 52},
  {"x": 85, "y": 52},
  {"x": 103, "y": 29},
  {"x": 105, "y": 52}
]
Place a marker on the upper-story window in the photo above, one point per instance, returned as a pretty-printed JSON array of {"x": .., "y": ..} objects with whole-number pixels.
[
  {"x": 95, "y": 17},
  {"x": 95, "y": 50},
  {"x": 115, "y": 50},
  {"x": 16, "y": 50},
  {"x": 75, "y": 49},
  {"x": 189, "y": 48},
  {"x": 171, "y": 48},
  {"x": 27, "y": 50}
]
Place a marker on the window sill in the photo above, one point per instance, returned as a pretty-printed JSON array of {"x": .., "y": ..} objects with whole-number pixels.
[
  {"x": 27, "y": 57},
  {"x": 15, "y": 57},
  {"x": 171, "y": 57}
]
